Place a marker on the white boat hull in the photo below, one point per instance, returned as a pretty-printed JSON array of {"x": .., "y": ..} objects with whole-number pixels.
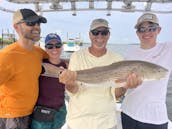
[{"x": 74, "y": 48}]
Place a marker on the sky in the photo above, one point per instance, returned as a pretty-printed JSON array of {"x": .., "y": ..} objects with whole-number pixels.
[{"x": 68, "y": 26}]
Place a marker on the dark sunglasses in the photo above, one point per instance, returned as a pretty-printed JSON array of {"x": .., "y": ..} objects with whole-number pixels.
[
  {"x": 102, "y": 32},
  {"x": 29, "y": 23},
  {"x": 51, "y": 46},
  {"x": 150, "y": 29}
]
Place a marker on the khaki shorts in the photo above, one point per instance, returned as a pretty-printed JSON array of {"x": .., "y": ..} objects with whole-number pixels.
[{"x": 15, "y": 123}]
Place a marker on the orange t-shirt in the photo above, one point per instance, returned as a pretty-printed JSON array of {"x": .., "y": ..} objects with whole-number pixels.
[{"x": 19, "y": 72}]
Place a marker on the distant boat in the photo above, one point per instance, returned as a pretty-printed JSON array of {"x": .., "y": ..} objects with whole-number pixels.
[{"x": 71, "y": 46}]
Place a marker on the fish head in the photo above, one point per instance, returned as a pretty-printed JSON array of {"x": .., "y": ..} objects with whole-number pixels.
[
  {"x": 160, "y": 73},
  {"x": 155, "y": 73},
  {"x": 150, "y": 71}
]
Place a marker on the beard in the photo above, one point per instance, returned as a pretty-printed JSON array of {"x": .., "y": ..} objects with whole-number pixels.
[{"x": 32, "y": 36}]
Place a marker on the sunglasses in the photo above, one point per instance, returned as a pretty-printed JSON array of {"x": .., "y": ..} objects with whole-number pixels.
[
  {"x": 102, "y": 32},
  {"x": 51, "y": 46},
  {"x": 150, "y": 29},
  {"x": 29, "y": 23}
]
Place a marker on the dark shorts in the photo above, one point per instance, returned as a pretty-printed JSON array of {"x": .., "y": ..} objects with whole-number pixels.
[
  {"x": 15, "y": 123},
  {"x": 129, "y": 123},
  {"x": 58, "y": 121}
]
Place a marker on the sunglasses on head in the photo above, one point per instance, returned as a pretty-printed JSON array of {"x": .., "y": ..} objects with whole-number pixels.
[
  {"x": 51, "y": 46},
  {"x": 102, "y": 32},
  {"x": 31, "y": 23},
  {"x": 150, "y": 29}
]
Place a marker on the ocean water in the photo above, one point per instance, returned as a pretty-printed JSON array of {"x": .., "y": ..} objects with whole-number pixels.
[{"x": 121, "y": 49}]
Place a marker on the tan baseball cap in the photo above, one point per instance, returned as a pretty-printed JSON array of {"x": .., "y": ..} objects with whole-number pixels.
[
  {"x": 99, "y": 23},
  {"x": 147, "y": 17},
  {"x": 27, "y": 15}
]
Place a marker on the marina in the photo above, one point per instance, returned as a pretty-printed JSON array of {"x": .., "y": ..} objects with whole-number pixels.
[{"x": 71, "y": 46}]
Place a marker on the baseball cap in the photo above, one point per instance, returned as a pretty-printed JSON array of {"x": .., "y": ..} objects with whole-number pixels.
[
  {"x": 52, "y": 36},
  {"x": 99, "y": 23},
  {"x": 147, "y": 17},
  {"x": 27, "y": 15}
]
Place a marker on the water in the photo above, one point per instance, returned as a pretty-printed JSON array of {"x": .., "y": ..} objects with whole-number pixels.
[{"x": 121, "y": 49}]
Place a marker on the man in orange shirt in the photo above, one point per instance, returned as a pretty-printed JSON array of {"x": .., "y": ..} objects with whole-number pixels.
[{"x": 20, "y": 67}]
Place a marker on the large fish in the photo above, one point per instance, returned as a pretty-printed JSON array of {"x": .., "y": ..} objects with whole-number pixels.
[{"x": 119, "y": 70}]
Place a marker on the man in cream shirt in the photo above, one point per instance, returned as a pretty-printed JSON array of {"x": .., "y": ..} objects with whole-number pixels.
[{"x": 93, "y": 107}]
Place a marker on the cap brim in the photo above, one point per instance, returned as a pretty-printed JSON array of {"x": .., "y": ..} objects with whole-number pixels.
[
  {"x": 95, "y": 27},
  {"x": 42, "y": 19},
  {"x": 138, "y": 24},
  {"x": 37, "y": 18}
]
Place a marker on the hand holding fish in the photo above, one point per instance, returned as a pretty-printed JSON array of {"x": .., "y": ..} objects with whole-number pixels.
[
  {"x": 68, "y": 77},
  {"x": 132, "y": 81}
]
